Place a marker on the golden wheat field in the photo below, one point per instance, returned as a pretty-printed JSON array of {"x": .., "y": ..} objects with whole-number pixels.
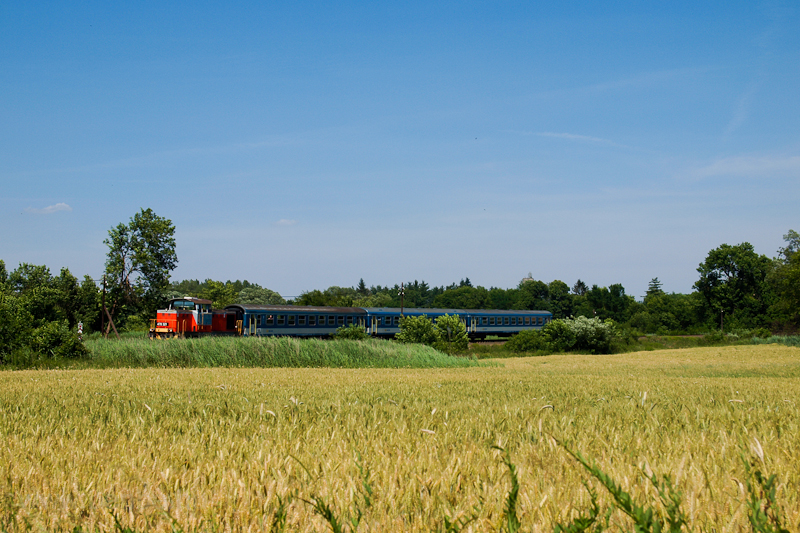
[{"x": 225, "y": 449}]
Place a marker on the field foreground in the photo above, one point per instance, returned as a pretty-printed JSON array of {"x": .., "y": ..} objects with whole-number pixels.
[{"x": 226, "y": 449}]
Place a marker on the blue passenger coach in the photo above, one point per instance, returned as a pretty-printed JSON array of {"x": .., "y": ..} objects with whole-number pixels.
[
  {"x": 307, "y": 321},
  {"x": 480, "y": 323},
  {"x": 296, "y": 321}
]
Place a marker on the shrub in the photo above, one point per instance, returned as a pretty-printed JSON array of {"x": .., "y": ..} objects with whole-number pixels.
[
  {"x": 559, "y": 336},
  {"x": 452, "y": 335},
  {"x": 527, "y": 341},
  {"x": 593, "y": 334},
  {"x": 352, "y": 332},
  {"x": 417, "y": 330},
  {"x": 590, "y": 334},
  {"x": 54, "y": 339},
  {"x": 761, "y": 333}
]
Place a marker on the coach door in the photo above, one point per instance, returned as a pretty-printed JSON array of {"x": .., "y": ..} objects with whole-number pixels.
[{"x": 373, "y": 328}]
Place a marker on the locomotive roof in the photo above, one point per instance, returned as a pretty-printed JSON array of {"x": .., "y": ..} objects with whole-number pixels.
[{"x": 190, "y": 299}]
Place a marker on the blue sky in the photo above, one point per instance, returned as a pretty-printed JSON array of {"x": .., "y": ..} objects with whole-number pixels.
[{"x": 301, "y": 145}]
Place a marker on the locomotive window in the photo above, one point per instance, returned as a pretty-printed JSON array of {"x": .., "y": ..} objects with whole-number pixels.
[
  {"x": 292, "y": 319},
  {"x": 281, "y": 320},
  {"x": 312, "y": 320},
  {"x": 301, "y": 320}
]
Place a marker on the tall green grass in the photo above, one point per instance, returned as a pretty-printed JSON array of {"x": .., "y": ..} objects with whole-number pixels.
[
  {"x": 266, "y": 352},
  {"x": 792, "y": 340}
]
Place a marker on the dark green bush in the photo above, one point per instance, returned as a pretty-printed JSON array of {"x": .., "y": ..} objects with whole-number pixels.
[
  {"x": 417, "y": 330},
  {"x": 559, "y": 336},
  {"x": 352, "y": 332},
  {"x": 54, "y": 339},
  {"x": 527, "y": 341},
  {"x": 451, "y": 335}
]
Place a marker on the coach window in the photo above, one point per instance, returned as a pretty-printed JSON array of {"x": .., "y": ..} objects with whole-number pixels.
[
  {"x": 292, "y": 319},
  {"x": 270, "y": 320},
  {"x": 312, "y": 320},
  {"x": 506, "y": 321},
  {"x": 340, "y": 320},
  {"x": 281, "y": 320},
  {"x": 491, "y": 321},
  {"x": 513, "y": 321},
  {"x": 301, "y": 320}
]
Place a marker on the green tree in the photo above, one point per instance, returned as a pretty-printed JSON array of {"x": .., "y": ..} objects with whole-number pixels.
[
  {"x": 257, "y": 295},
  {"x": 560, "y": 301},
  {"x": 654, "y": 288},
  {"x": 732, "y": 283},
  {"x": 580, "y": 288},
  {"x": 141, "y": 255},
  {"x": 785, "y": 280},
  {"x": 220, "y": 294}
]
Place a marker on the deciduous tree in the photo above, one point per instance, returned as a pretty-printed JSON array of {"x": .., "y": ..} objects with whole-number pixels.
[
  {"x": 732, "y": 283},
  {"x": 141, "y": 255}
]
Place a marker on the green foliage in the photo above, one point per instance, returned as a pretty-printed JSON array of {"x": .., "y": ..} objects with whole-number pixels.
[
  {"x": 645, "y": 518},
  {"x": 141, "y": 255},
  {"x": 732, "y": 284},
  {"x": 266, "y": 352},
  {"x": 511, "y": 523},
  {"x": 580, "y": 333},
  {"x": 417, "y": 329},
  {"x": 559, "y": 336},
  {"x": 55, "y": 340},
  {"x": 352, "y": 332},
  {"x": 785, "y": 280},
  {"x": 763, "y": 511},
  {"x": 219, "y": 293},
  {"x": 15, "y": 327},
  {"x": 257, "y": 295},
  {"x": 38, "y": 312},
  {"x": 451, "y": 333},
  {"x": 527, "y": 341}
]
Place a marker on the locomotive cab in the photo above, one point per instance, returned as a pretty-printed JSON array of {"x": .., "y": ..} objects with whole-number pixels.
[{"x": 183, "y": 317}]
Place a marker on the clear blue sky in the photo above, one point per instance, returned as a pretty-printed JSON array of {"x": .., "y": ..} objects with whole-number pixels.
[{"x": 301, "y": 144}]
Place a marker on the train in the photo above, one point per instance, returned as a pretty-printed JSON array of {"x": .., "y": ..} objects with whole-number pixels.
[{"x": 195, "y": 317}]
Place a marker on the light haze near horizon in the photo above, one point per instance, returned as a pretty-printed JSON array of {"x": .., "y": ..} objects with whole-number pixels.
[{"x": 305, "y": 145}]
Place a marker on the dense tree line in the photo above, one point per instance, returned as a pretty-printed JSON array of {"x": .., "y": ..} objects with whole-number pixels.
[{"x": 737, "y": 289}]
